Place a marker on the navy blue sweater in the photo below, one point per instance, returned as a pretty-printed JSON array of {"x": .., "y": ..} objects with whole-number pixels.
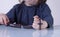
[{"x": 22, "y": 14}]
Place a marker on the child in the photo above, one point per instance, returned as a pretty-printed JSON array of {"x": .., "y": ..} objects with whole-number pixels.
[{"x": 34, "y": 13}]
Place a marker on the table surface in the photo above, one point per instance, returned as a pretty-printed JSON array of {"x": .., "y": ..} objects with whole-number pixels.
[{"x": 21, "y": 32}]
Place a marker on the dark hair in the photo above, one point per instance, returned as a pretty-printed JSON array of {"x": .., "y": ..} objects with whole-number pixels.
[{"x": 43, "y": 1}]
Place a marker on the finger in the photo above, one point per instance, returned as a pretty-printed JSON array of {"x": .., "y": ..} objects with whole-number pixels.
[
  {"x": 44, "y": 25},
  {"x": 4, "y": 20},
  {"x": 36, "y": 16},
  {"x": 7, "y": 19},
  {"x": 35, "y": 26},
  {"x": 1, "y": 21},
  {"x": 36, "y": 19}
]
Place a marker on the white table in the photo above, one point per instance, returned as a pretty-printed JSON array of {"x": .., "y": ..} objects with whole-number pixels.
[{"x": 21, "y": 32}]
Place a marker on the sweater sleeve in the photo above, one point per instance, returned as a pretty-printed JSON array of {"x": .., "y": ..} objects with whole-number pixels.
[
  {"x": 47, "y": 16},
  {"x": 11, "y": 14}
]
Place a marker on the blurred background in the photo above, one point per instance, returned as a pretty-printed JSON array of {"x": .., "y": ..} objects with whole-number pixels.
[{"x": 6, "y": 5}]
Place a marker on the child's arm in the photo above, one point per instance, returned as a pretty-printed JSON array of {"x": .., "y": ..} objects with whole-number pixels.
[
  {"x": 10, "y": 17},
  {"x": 45, "y": 14},
  {"x": 47, "y": 18},
  {"x": 12, "y": 13}
]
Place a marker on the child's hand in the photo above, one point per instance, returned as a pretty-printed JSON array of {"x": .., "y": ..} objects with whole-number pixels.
[
  {"x": 3, "y": 19},
  {"x": 37, "y": 21}
]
